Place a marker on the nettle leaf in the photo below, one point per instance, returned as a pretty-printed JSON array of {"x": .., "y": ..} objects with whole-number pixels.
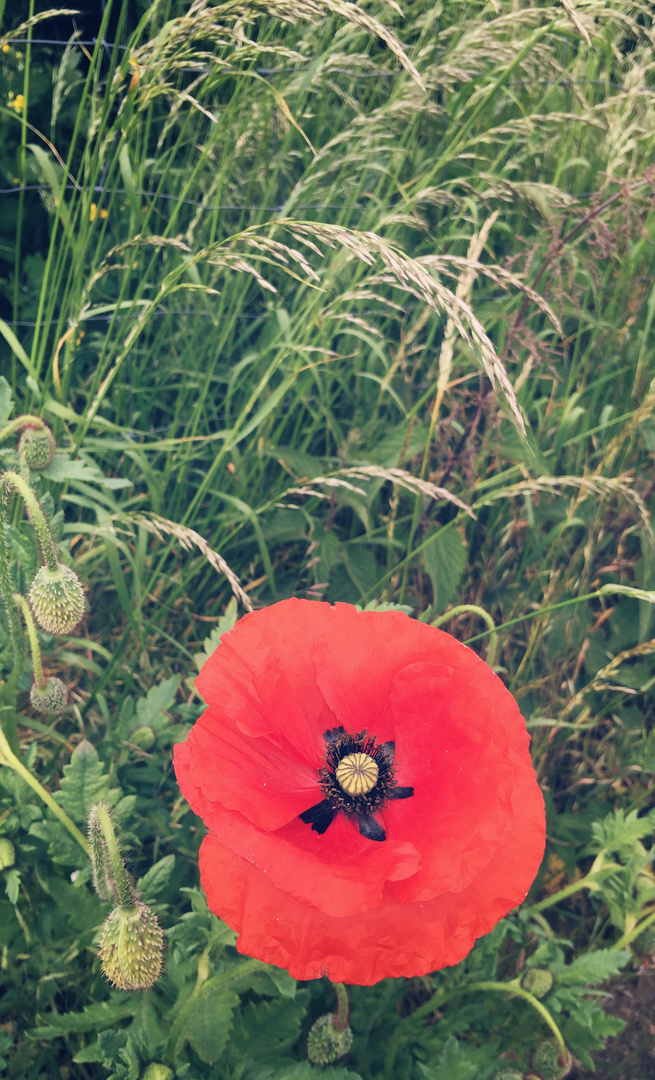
[
  {"x": 210, "y": 1023},
  {"x": 156, "y": 878},
  {"x": 6, "y": 401},
  {"x": 93, "y": 1018},
  {"x": 444, "y": 558},
  {"x": 211, "y": 643},
  {"x": 593, "y": 968},
  {"x": 459, "y": 1061},
  {"x": 84, "y": 783}
]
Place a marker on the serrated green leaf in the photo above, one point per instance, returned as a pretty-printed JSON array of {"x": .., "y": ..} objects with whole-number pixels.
[
  {"x": 593, "y": 968},
  {"x": 150, "y": 710},
  {"x": 12, "y": 885},
  {"x": 156, "y": 878},
  {"x": 224, "y": 624},
  {"x": 83, "y": 784},
  {"x": 62, "y": 468},
  {"x": 444, "y": 559},
  {"x": 209, "y": 1025},
  {"x": 93, "y": 1018},
  {"x": 458, "y": 1061},
  {"x": 382, "y": 605},
  {"x": 6, "y": 401}
]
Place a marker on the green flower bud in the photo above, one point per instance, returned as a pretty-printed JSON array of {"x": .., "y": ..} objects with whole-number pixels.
[
  {"x": 7, "y": 853},
  {"x": 57, "y": 599},
  {"x": 537, "y": 981},
  {"x": 131, "y": 947},
  {"x": 52, "y": 700},
  {"x": 143, "y": 737},
  {"x": 644, "y": 945},
  {"x": 37, "y": 445},
  {"x": 509, "y": 1074},
  {"x": 546, "y": 1061},
  {"x": 154, "y": 1071},
  {"x": 325, "y": 1044}
]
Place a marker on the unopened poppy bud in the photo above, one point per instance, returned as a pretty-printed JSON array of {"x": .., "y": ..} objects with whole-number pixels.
[
  {"x": 37, "y": 445},
  {"x": 7, "y": 853},
  {"x": 143, "y": 737},
  {"x": 537, "y": 981},
  {"x": 547, "y": 1062},
  {"x": 325, "y": 1044},
  {"x": 508, "y": 1074},
  {"x": 50, "y": 700},
  {"x": 57, "y": 599},
  {"x": 155, "y": 1071},
  {"x": 131, "y": 947},
  {"x": 644, "y": 945}
]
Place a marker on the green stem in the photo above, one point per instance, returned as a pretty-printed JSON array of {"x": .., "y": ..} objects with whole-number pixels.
[
  {"x": 19, "y": 422},
  {"x": 340, "y": 1022},
  {"x": 630, "y": 935},
  {"x": 536, "y": 614},
  {"x": 16, "y": 634},
  {"x": 492, "y": 650},
  {"x": 37, "y": 663},
  {"x": 8, "y": 758},
  {"x": 120, "y": 875},
  {"x": 568, "y": 890},
  {"x": 216, "y": 983},
  {"x": 40, "y": 523},
  {"x": 514, "y": 989}
]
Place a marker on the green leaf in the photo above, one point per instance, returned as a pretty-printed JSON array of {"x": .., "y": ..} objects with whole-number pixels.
[
  {"x": 83, "y": 469},
  {"x": 6, "y": 401},
  {"x": 361, "y": 566},
  {"x": 16, "y": 347},
  {"x": 150, "y": 710},
  {"x": 210, "y": 1023},
  {"x": 93, "y": 1018},
  {"x": 593, "y": 968},
  {"x": 156, "y": 878},
  {"x": 458, "y": 1061},
  {"x": 12, "y": 885},
  {"x": 211, "y": 643},
  {"x": 444, "y": 558},
  {"x": 382, "y": 605},
  {"x": 84, "y": 782}
]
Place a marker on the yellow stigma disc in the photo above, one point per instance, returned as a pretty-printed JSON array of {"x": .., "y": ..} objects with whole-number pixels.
[{"x": 357, "y": 774}]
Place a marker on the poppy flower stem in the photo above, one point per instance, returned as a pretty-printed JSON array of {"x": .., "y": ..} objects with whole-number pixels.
[
  {"x": 493, "y": 639},
  {"x": 404, "y": 1029},
  {"x": 340, "y": 1022},
  {"x": 210, "y": 986},
  {"x": 37, "y": 664},
  {"x": 100, "y": 823}
]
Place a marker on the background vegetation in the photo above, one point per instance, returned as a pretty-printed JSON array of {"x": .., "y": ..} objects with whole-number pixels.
[{"x": 343, "y": 302}]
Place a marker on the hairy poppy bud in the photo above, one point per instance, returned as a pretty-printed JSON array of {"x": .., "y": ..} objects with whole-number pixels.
[
  {"x": 50, "y": 700},
  {"x": 57, "y": 599},
  {"x": 547, "y": 1062},
  {"x": 7, "y": 853},
  {"x": 37, "y": 445},
  {"x": 644, "y": 945},
  {"x": 143, "y": 737},
  {"x": 325, "y": 1044},
  {"x": 537, "y": 981},
  {"x": 131, "y": 947},
  {"x": 155, "y": 1071}
]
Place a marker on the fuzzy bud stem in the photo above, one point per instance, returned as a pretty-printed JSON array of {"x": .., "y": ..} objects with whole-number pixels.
[
  {"x": 37, "y": 663},
  {"x": 31, "y": 502},
  {"x": 102, "y": 835},
  {"x": 340, "y": 1022},
  {"x": 22, "y": 421}
]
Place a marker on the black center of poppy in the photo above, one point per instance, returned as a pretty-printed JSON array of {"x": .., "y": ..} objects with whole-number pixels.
[{"x": 359, "y": 778}]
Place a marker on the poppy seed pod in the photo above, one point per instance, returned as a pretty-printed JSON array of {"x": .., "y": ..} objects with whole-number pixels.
[
  {"x": 155, "y": 1071},
  {"x": 57, "y": 599},
  {"x": 368, "y": 789},
  {"x": 325, "y": 1044},
  {"x": 51, "y": 699},
  {"x": 131, "y": 946},
  {"x": 537, "y": 981},
  {"x": 37, "y": 445}
]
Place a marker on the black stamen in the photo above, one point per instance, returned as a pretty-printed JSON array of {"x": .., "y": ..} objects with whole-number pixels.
[
  {"x": 402, "y": 793},
  {"x": 332, "y": 735},
  {"x": 320, "y": 816},
  {"x": 389, "y": 749},
  {"x": 369, "y": 827}
]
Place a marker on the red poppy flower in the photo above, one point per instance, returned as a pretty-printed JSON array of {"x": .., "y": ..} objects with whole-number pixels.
[{"x": 366, "y": 781}]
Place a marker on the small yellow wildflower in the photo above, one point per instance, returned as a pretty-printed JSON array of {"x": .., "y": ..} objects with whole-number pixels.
[
  {"x": 93, "y": 212},
  {"x": 4, "y": 46},
  {"x": 16, "y": 102}
]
